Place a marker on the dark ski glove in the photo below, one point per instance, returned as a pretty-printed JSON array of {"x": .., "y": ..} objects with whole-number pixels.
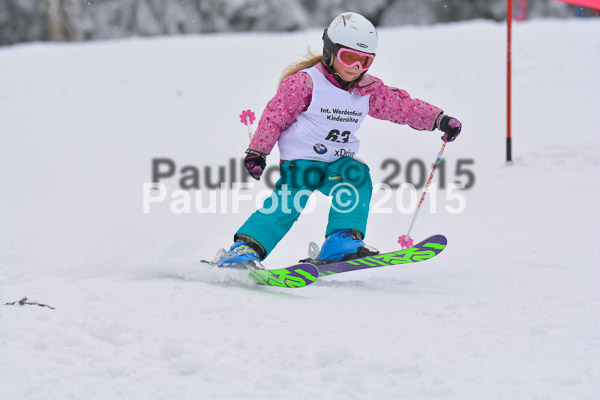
[
  {"x": 451, "y": 128},
  {"x": 255, "y": 163}
]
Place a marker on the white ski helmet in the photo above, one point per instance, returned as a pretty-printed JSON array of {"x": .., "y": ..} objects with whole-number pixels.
[{"x": 350, "y": 30}]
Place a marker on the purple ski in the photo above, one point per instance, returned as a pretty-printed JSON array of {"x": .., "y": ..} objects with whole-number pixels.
[{"x": 422, "y": 251}]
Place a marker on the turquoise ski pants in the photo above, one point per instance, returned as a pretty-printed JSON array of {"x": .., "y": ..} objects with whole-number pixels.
[{"x": 346, "y": 180}]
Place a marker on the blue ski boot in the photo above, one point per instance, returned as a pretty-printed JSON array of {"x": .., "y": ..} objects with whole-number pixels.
[
  {"x": 240, "y": 255},
  {"x": 344, "y": 244}
]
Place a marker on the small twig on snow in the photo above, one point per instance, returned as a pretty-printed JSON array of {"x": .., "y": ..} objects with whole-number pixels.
[{"x": 24, "y": 301}]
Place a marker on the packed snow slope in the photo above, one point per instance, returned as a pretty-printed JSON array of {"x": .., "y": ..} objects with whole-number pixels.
[{"x": 508, "y": 311}]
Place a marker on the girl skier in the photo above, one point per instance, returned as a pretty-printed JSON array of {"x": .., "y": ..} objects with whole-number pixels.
[{"x": 315, "y": 115}]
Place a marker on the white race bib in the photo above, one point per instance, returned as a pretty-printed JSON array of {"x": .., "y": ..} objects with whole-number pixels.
[{"x": 326, "y": 130}]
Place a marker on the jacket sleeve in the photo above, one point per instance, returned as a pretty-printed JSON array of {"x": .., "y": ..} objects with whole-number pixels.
[
  {"x": 293, "y": 96},
  {"x": 396, "y": 105}
]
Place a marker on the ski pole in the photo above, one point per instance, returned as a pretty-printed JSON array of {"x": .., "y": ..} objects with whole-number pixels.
[
  {"x": 247, "y": 117},
  {"x": 405, "y": 240}
]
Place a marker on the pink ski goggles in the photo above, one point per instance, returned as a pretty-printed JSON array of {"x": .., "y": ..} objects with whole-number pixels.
[{"x": 349, "y": 58}]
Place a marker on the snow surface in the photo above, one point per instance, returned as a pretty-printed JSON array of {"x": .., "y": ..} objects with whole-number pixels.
[{"x": 508, "y": 311}]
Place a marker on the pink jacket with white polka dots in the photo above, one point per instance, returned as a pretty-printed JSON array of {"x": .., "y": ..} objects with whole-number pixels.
[{"x": 295, "y": 94}]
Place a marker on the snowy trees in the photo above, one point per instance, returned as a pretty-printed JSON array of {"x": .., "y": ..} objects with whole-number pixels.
[{"x": 27, "y": 20}]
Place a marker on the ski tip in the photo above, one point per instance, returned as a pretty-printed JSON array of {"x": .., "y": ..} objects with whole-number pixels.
[
  {"x": 441, "y": 239},
  {"x": 437, "y": 238}
]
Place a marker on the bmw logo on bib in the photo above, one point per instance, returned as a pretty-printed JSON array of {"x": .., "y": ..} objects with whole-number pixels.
[{"x": 320, "y": 148}]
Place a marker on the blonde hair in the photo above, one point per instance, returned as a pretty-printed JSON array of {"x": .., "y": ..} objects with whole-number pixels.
[{"x": 310, "y": 60}]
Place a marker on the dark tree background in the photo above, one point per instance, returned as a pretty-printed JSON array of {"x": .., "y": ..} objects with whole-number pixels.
[{"x": 73, "y": 20}]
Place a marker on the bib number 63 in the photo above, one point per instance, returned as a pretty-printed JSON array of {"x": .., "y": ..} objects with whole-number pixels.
[{"x": 335, "y": 136}]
